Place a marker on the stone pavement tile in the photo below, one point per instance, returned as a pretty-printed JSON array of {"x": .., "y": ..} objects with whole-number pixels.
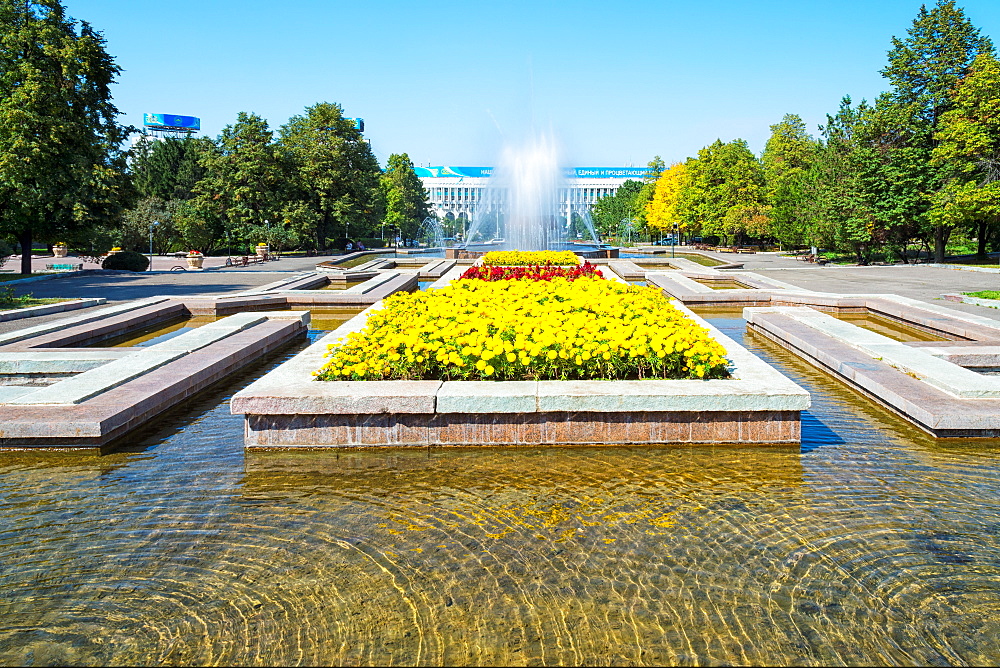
[
  {"x": 90, "y": 383},
  {"x": 105, "y": 328}
]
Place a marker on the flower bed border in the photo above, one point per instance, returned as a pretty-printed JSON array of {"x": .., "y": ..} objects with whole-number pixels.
[{"x": 287, "y": 408}]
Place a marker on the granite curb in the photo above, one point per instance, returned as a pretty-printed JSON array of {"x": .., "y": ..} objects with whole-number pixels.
[{"x": 48, "y": 309}]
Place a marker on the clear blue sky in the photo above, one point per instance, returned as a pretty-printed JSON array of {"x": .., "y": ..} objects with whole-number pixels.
[{"x": 617, "y": 82}]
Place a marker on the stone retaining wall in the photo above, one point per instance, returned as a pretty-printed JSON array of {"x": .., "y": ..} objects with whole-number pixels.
[{"x": 289, "y": 408}]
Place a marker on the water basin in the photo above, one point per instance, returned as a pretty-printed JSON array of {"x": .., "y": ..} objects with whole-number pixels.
[
  {"x": 870, "y": 544},
  {"x": 723, "y": 285},
  {"x": 886, "y": 327},
  {"x": 148, "y": 336}
]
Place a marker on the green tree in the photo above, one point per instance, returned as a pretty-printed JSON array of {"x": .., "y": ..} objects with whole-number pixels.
[
  {"x": 725, "y": 196},
  {"x": 334, "y": 177},
  {"x": 787, "y": 156},
  {"x": 614, "y": 215},
  {"x": 242, "y": 188},
  {"x": 968, "y": 152},
  {"x": 923, "y": 68},
  {"x": 406, "y": 204},
  {"x": 61, "y": 162},
  {"x": 170, "y": 168},
  {"x": 840, "y": 213}
]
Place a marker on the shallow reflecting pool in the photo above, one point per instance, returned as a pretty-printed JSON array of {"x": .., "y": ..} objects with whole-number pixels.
[
  {"x": 893, "y": 329},
  {"x": 158, "y": 333},
  {"x": 870, "y": 544}
]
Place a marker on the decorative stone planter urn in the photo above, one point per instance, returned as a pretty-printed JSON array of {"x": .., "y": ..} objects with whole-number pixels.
[
  {"x": 262, "y": 251},
  {"x": 195, "y": 260},
  {"x": 60, "y": 251}
]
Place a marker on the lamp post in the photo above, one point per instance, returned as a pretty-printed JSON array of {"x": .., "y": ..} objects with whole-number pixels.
[
  {"x": 673, "y": 246},
  {"x": 151, "y": 226}
]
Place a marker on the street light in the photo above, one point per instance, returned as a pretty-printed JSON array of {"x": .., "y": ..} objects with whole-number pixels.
[
  {"x": 151, "y": 226},
  {"x": 673, "y": 246}
]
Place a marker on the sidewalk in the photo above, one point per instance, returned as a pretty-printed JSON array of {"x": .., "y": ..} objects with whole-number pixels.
[{"x": 169, "y": 262}]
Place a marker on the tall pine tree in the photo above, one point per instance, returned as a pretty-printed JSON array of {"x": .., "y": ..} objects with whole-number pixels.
[
  {"x": 923, "y": 69},
  {"x": 968, "y": 152}
]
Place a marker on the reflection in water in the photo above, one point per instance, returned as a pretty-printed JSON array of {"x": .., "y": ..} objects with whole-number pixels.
[
  {"x": 158, "y": 333},
  {"x": 896, "y": 331},
  {"x": 873, "y": 544},
  {"x": 723, "y": 285}
]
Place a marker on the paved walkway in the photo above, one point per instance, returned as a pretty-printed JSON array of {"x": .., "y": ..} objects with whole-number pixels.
[
  {"x": 168, "y": 262},
  {"x": 915, "y": 281},
  {"x": 921, "y": 282}
]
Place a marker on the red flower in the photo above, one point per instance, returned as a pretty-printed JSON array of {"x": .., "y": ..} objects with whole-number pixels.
[{"x": 533, "y": 273}]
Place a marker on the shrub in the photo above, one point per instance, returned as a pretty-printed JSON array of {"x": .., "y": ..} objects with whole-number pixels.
[
  {"x": 5, "y": 253},
  {"x": 127, "y": 260},
  {"x": 527, "y": 330},
  {"x": 517, "y": 258}
]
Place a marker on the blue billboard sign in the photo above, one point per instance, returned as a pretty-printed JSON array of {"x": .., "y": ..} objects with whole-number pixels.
[
  {"x": 171, "y": 122},
  {"x": 359, "y": 124}
]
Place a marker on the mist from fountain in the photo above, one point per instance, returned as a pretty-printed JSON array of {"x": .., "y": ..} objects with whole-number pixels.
[{"x": 524, "y": 205}]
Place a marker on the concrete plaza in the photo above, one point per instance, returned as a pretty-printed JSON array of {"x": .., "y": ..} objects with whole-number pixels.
[{"x": 923, "y": 282}]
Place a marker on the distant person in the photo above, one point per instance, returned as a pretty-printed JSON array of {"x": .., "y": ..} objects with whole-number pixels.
[
  {"x": 350, "y": 246},
  {"x": 361, "y": 246}
]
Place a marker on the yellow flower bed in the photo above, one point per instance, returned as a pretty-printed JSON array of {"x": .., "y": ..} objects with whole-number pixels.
[
  {"x": 518, "y": 258},
  {"x": 527, "y": 330}
]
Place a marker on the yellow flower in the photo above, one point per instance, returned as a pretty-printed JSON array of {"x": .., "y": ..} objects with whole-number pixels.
[{"x": 539, "y": 330}]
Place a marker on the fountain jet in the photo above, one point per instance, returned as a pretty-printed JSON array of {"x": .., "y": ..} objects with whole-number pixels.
[{"x": 526, "y": 205}]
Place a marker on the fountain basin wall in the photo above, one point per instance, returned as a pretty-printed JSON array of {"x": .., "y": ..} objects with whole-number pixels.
[
  {"x": 96, "y": 395},
  {"x": 287, "y": 408},
  {"x": 929, "y": 383},
  {"x": 586, "y": 253}
]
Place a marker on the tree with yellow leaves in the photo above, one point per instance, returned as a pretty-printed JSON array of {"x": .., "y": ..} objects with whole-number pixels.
[{"x": 661, "y": 211}]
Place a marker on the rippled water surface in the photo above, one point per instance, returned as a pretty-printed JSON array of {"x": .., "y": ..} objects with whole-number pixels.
[{"x": 871, "y": 544}]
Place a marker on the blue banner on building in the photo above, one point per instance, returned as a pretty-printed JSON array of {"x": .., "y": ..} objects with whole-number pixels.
[{"x": 571, "y": 173}]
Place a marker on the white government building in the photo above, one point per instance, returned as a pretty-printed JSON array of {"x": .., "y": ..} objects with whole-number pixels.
[{"x": 455, "y": 191}]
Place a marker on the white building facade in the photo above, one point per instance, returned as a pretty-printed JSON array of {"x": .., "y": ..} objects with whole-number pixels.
[{"x": 455, "y": 191}]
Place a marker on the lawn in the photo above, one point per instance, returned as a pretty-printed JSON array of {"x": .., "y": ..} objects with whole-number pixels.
[
  {"x": 984, "y": 294},
  {"x": 9, "y": 301}
]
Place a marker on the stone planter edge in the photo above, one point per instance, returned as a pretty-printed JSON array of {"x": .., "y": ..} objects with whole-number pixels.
[{"x": 291, "y": 390}]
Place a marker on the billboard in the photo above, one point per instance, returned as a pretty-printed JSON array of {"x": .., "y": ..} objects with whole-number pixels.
[
  {"x": 359, "y": 124},
  {"x": 171, "y": 122},
  {"x": 572, "y": 172},
  {"x": 609, "y": 172}
]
